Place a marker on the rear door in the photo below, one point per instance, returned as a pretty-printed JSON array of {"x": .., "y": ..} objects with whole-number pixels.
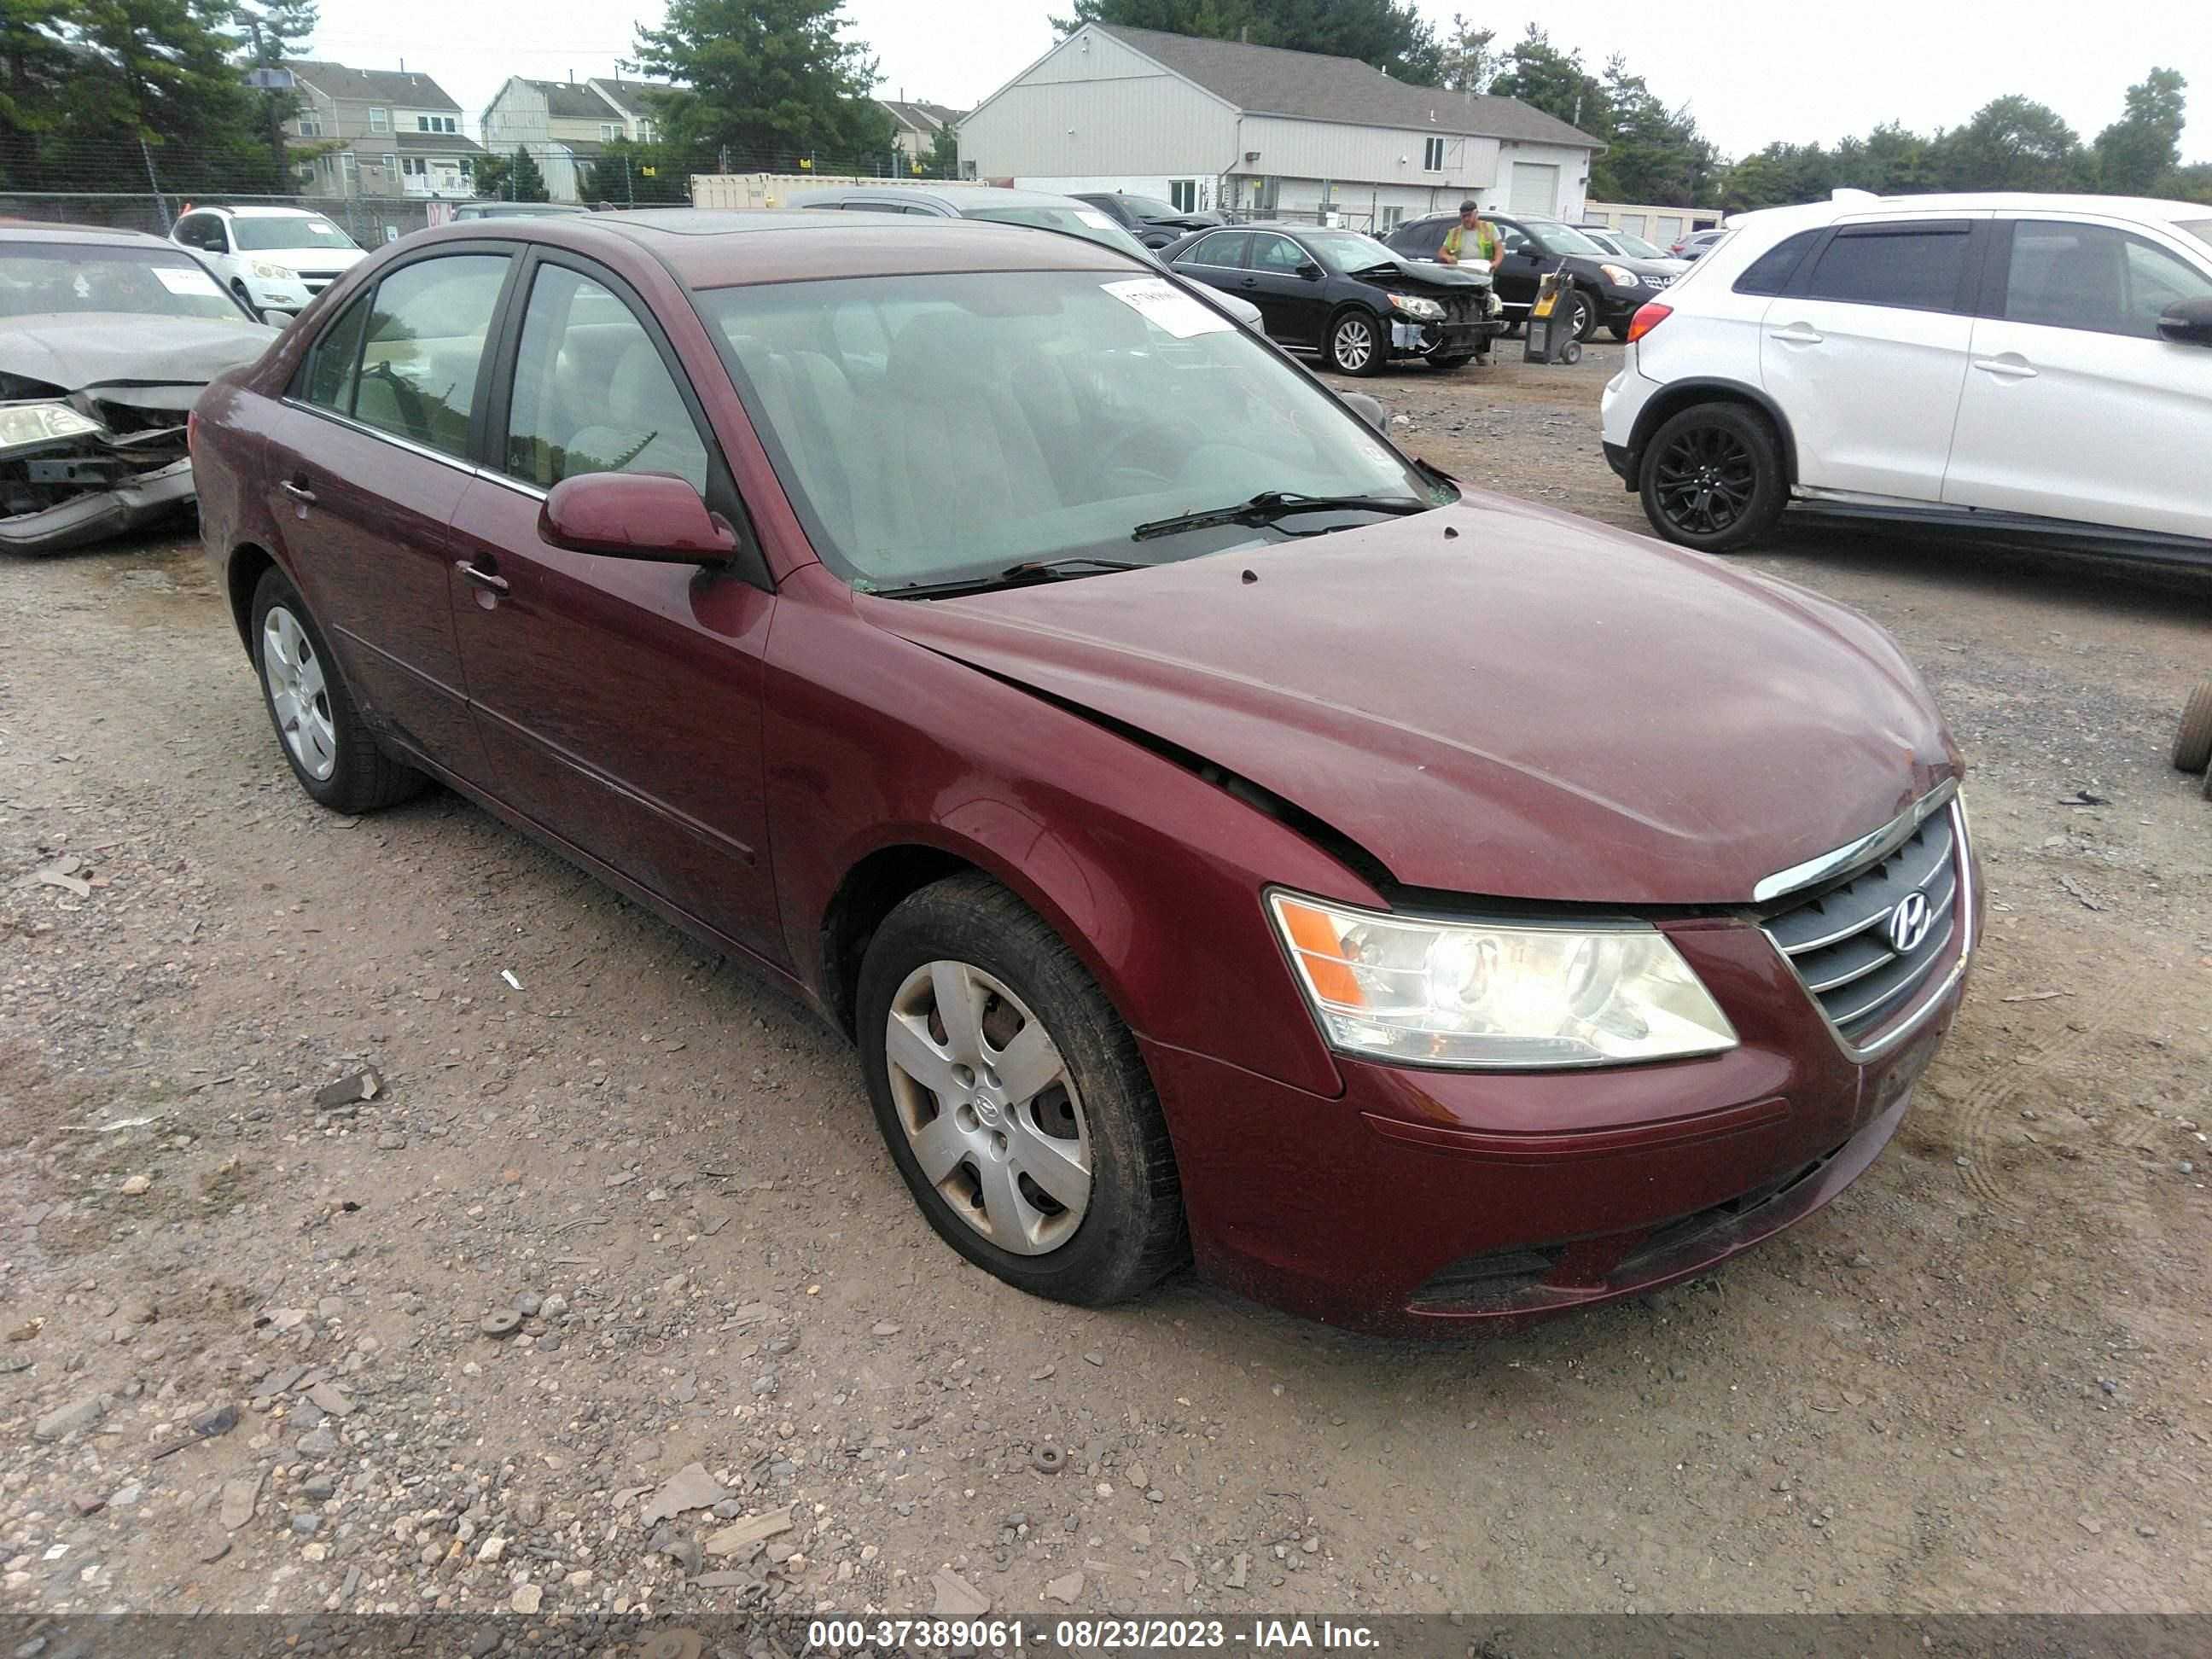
[
  {"x": 1216, "y": 260},
  {"x": 1865, "y": 353},
  {"x": 619, "y": 700},
  {"x": 2075, "y": 407},
  {"x": 365, "y": 473}
]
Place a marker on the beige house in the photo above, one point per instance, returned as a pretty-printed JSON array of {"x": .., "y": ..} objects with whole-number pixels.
[
  {"x": 916, "y": 126},
  {"x": 379, "y": 132},
  {"x": 565, "y": 124}
]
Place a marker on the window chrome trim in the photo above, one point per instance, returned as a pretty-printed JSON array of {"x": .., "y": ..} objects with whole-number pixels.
[
  {"x": 1867, "y": 849},
  {"x": 459, "y": 464},
  {"x": 515, "y": 484}
]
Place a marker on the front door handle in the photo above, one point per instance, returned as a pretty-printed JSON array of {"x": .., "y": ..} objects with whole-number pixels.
[
  {"x": 1799, "y": 334},
  {"x": 476, "y": 573},
  {"x": 2005, "y": 369},
  {"x": 298, "y": 492}
]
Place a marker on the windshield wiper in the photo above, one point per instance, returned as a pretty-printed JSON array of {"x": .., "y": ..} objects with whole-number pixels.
[
  {"x": 1269, "y": 505},
  {"x": 1027, "y": 573}
]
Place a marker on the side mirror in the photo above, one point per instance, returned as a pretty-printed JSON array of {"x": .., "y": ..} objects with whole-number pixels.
[
  {"x": 2188, "y": 322},
  {"x": 1369, "y": 410},
  {"x": 635, "y": 515},
  {"x": 1309, "y": 272}
]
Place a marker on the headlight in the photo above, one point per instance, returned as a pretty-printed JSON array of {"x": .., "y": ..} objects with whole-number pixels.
[
  {"x": 23, "y": 426},
  {"x": 1413, "y": 305},
  {"x": 1457, "y": 994},
  {"x": 1620, "y": 277},
  {"x": 270, "y": 273}
]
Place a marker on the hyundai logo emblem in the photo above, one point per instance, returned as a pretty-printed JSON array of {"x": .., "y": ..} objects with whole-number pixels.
[{"x": 1909, "y": 924}]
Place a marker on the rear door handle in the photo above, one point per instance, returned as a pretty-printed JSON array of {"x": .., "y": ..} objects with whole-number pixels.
[
  {"x": 1799, "y": 334},
  {"x": 2005, "y": 369},
  {"x": 483, "y": 578},
  {"x": 298, "y": 492}
]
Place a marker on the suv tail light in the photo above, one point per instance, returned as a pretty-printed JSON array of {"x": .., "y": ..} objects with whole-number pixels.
[{"x": 1647, "y": 318}]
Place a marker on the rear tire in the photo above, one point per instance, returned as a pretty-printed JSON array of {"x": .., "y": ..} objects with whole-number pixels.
[
  {"x": 959, "y": 1106},
  {"x": 319, "y": 725},
  {"x": 2192, "y": 744},
  {"x": 1711, "y": 478}
]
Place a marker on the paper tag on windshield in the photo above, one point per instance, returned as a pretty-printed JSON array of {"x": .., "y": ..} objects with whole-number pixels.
[
  {"x": 1167, "y": 306},
  {"x": 186, "y": 279},
  {"x": 1094, "y": 219}
]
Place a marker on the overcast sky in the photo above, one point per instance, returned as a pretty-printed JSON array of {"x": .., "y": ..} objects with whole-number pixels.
[{"x": 1751, "y": 70}]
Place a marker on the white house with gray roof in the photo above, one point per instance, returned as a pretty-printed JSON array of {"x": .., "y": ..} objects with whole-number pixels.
[
  {"x": 566, "y": 125},
  {"x": 377, "y": 132},
  {"x": 1220, "y": 124}
]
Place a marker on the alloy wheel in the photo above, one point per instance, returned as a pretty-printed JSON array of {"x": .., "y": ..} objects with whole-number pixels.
[
  {"x": 1704, "y": 479},
  {"x": 299, "y": 693},
  {"x": 989, "y": 1107},
  {"x": 1353, "y": 345}
]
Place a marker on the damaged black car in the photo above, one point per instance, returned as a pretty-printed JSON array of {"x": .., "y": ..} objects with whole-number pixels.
[{"x": 107, "y": 338}]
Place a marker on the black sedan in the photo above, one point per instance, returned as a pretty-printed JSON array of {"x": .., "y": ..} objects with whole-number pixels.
[
  {"x": 1151, "y": 221},
  {"x": 1344, "y": 294},
  {"x": 1607, "y": 289}
]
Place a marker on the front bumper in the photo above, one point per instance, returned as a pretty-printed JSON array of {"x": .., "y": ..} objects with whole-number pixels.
[
  {"x": 1422, "y": 1201},
  {"x": 147, "y": 498},
  {"x": 1449, "y": 339},
  {"x": 290, "y": 297}
]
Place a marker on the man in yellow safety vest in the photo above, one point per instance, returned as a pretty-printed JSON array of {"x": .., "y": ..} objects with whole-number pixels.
[{"x": 1472, "y": 237}]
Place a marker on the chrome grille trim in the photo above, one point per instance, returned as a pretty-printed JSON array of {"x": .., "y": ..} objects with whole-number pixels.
[
  {"x": 1858, "y": 980},
  {"x": 1854, "y": 854}
]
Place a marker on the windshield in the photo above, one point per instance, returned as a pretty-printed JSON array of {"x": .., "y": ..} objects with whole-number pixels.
[
  {"x": 38, "y": 278},
  {"x": 935, "y": 428},
  {"x": 1635, "y": 247},
  {"x": 1562, "y": 239},
  {"x": 1347, "y": 250},
  {"x": 1151, "y": 207},
  {"x": 1089, "y": 223},
  {"x": 258, "y": 235}
]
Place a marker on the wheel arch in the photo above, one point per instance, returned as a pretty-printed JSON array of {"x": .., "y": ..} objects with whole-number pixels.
[
  {"x": 1678, "y": 395},
  {"x": 249, "y": 562},
  {"x": 871, "y": 890}
]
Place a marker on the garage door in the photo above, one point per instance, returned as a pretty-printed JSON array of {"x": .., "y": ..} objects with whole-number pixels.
[{"x": 1536, "y": 188}]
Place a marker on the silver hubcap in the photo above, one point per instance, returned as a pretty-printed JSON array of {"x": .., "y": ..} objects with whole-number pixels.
[
  {"x": 988, "y": 1107},
  {"x": 298, "y": 694},
  {"x": 1354, "y": 344}
]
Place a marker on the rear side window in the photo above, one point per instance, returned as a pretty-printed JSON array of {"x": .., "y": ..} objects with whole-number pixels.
[
  {"x": 333, "y": 369},
  {"x": 1771, "y": 272},
  {"x": 1912, "y": 267},
  {"x": 424, "y": 347},
  {"x": 1225, "y": 250}
]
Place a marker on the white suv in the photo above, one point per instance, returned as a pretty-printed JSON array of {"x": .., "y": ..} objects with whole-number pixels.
[
  {"x": 2019, "y": 365},
  {"x": 274, "y": 259}
]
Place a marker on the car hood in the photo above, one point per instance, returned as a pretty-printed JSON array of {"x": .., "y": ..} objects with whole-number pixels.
[
  {"x": 76, "y": 349},
  {"x": 1646, "y": 267},
  {"x": 1424, "y": 273},
  {"x": 308, "y": 258},
  {"x": 1538, "y": 708}
]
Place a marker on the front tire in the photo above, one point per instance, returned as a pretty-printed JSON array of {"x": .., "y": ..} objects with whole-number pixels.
[
  {"x": 1013, "y": 1099},
  {"x": 1586, "y": 314},
  {"x": 1711, "y": 477},
  {"x": 2192, "y": 744},
  {"x": 319, "y": 725},
  {"x": 1356, "y": 344},
  {"x": 246, "y": 299}
]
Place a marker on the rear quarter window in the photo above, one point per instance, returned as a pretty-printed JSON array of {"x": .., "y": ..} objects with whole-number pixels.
[{"x": 1771, "y": 272}]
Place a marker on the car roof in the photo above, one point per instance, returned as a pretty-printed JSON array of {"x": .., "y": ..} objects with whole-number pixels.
[
  {"x": 1849, "y": 203},
  {"x": 711, "y": 248},
  {"x": 261, "y": 212},
  {"x": 95, "y": 234}
]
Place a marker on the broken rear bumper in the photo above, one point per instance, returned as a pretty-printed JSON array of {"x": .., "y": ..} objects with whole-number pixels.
[{"x": 147, "y": 498}]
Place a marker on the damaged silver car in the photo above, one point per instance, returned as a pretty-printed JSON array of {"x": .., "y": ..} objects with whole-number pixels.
[{"x": 107, "y": 337}]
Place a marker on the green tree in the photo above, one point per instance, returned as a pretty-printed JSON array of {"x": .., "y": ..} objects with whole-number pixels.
[
  {"x": 160, "y": 73},
  {"x": 1652, "y": 153},
  {"x": 34, "y": 63},
  {"x": 2013, "y": 143},
  {"x": 2189, "y": 183},
  {"x": 631, "y": 174},
  {"x": 1390, "y": 34},
  {"x": 525, "y": 181},
  {"x": 276, "y": 30},
  {"x": 1467, "y": 57},
  {"x": 2144, "y": 144},
  {"x": 770, "y": 81},
  {"x": 1539, "y": 74},
  {"x": 944, "y": 159}
]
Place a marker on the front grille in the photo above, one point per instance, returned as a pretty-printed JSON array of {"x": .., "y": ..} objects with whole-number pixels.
[{"x": 1844, "y": 939}]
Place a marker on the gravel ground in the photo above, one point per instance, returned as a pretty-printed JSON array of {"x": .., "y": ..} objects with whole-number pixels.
[{"x": 607, "y": 1300}]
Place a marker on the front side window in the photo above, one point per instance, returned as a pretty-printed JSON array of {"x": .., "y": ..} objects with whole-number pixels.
[
  {"x": 591, "y": 393},
  {"x": 424, "y": 348},
  {"x": 1277, "y": 255},
  {"x": 1913, "y": 267},
  {"x": 945, "y": 427},
  {"x": 2063, "y": 274}
]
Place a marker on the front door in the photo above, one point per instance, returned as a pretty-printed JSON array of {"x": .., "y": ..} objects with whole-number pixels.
[
  {"x": 1867, "y": 351},
  {"x": 363, "y": 484},
  {"x": 2075, "y": 407},
  {"x": 1293, "y": 305},
  {"x": 619, "y": 700}
]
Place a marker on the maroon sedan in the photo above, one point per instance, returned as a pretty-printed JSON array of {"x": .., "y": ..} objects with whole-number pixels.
[{"x": 1224, "y": 838}]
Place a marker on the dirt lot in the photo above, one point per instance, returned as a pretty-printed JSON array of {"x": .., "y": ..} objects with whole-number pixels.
[{"x": 1978, "y": 1382}]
